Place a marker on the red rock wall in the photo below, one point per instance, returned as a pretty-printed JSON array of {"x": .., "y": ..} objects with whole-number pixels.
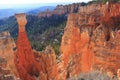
[
  {"x": 93, "y": 37},
  {"x": 77, "y": 44},
  {"x": 90, "y": 42}
]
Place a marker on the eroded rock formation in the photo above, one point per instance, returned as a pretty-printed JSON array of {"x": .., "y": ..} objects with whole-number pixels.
[
  {"x": 24, "y": 57},
  {"x": 61, "y": 10},
  {"x": 32, "y": 65},
  {"x": 47, "y": 59},
  {"x": 6, "y": 51},
  {"x": 5, "y": 72},
  {"x": 91, "y": 40}
]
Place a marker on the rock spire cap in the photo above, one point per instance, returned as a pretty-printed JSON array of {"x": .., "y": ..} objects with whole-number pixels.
[{"x": 21, "y": 19}]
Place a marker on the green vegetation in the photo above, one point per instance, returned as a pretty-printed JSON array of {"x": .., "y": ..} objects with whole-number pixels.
[
  {"x": 41, "y": 31},
  {"x": 51, "y": 36}
]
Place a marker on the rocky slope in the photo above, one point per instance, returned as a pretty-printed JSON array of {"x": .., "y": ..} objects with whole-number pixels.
[{"x": 91, "y": 40}]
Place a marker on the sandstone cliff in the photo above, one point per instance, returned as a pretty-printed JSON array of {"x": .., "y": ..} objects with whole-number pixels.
[
  {"x": 61, "y": 10},
  {"x": 91, "y": 40}
]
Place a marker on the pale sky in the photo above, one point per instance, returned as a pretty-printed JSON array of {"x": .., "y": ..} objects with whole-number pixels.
[
  {"x": 37, "y": 1},
  {"x": 20, "y": 3}
]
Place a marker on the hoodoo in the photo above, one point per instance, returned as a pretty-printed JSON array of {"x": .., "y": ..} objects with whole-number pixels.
[
  {"x": 31, "y": 64},
  {"x": 24, "y": 59}
]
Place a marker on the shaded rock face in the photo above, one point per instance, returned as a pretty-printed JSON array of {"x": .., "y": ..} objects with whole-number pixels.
[
  {"x": 47, "y": 59},
  {"x": 61, "y": 10},
  {"x": 6, "y": 51},
  {"x": 91, "y": 40}
]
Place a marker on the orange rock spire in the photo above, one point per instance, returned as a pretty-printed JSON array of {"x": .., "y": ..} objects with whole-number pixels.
[{"x": 24, "y": 58}]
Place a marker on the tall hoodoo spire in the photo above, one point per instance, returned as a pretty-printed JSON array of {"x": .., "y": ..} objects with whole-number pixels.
[{"x": 24, "y": 59}]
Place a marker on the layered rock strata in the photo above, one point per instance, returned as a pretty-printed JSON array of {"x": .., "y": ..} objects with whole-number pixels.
[
  {"x": 91, "y": 40},
  {"x": 61, "y": 10}
]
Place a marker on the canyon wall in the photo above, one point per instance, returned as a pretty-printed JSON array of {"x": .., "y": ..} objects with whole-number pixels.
[
  {"x": 91, "y": 40},
  {"x": 61, "y": 10}
]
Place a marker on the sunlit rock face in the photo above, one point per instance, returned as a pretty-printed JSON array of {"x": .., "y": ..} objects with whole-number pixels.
[
  {"x": 6, "y": 51},
  {"x": 76, "y": 48},
  {"x": 6, "y": 44},
  {"x": 91, "y": 40}
]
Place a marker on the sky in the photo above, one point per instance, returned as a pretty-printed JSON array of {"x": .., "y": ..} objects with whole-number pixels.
[{"x": 16, "y": 3}]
